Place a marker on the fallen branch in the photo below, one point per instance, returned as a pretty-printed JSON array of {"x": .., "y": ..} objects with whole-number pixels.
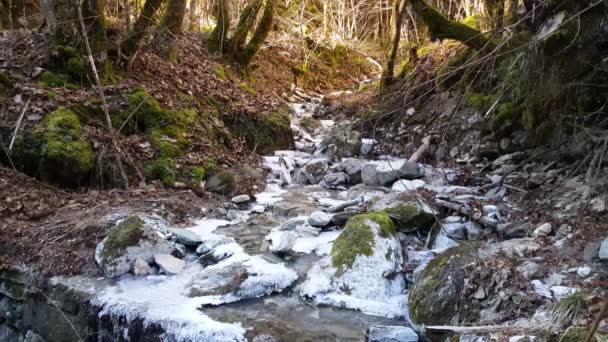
[
  {"x": 426, "y": 143},
  {"x": 10, "y": 146}
]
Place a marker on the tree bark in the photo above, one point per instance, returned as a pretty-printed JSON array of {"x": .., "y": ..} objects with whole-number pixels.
[
  {"x": 67, "y": 29},
  {"x": 193, "y": 19},
  {"x": 245, "y": 24},
  {"x": 219, "y": 35},
  {"x": 172, "y": 23},
  {"x": 441, "y": 27},
  {"x": 396, "y": 23},
  {"x": 245, "y": 56},
  {"x": 143, "y": 23}
]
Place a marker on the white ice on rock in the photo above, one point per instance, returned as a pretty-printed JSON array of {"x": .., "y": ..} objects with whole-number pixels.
[
  {"x": 169, "y": 302},
  {"x": 374, "y": 284}
]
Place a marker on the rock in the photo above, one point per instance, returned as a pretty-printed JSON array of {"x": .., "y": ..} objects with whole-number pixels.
[
  {"x": 241, "y": 199},
  {"x": 293, "y": 223},
  {"x": 222, "y": 183},
  {"x": 209, "y": 245},
  {"x": 584, "y": 272},
  {"x": 127, "y": 241},
  {"x": 308, "y": 231},
  {"x": 524, "y": 338},
  {"x": 342, "y": 142},
  {"x": 408, "y": 212},
  {"x": 455, "y": 230},
  {"x": 352, "y": 168},
  {"x": 369, "y": 176},
  {"x": 319, "y": 219},
  {"x": 315, "y": 170},
  {"x": 543, "y": 230},
  {"x": 334, "y": 180},
  {"x": 530, "y": 270},
  {"x": 407, "y": 185},
  {"x": 603, "y": 251},
  {"x": 387, "y": 172},
  {"x": 211, "y": 258},
  {"x": 169, "y": 264},
  {"x": 367, "y": 146},
  {"x": 592, "y": 252},
  {"x": 598, "y": 205},
  {"x": 473, "y": 230},
  {"x": 140, "y": 268},
  {"x": 185, "y": 236},
  {"x": 339, "y": 219},
  {"x": 363, "y": 270},
  {"x": 288, "y": 209},
  {"x": 388, "y": 333},
  {"x": 281, "y": 241}
]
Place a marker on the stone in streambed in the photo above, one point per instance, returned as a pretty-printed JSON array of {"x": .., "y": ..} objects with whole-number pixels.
[
  {"x": 409, "y": 212},
  {"x": 319, "y": 219},
  {"x": 241, "y": 199},
  {"x": 141, "y": 268},
  {"x": 342, "y": 142},
  {"x": 334, "y": 180},
  {"x": 169, "y": 264},
  {"x": 390, "y": 333},
  {"x": 281, "y": 241},
  {"x": 185, "y": 236},
  {"x": 315, "y": 170}
]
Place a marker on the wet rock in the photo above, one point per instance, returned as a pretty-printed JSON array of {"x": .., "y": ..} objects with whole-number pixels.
[
  {"x": 308, "y": 231},
  {"x": 241, "y": 199},
  {"x": 455, "y": 230},
  {"x": 342, "y": 142},
  {"x": 407, "y": 185},
  {"x": 315, "y": 170},
  {"x": 211, "y": 258},
  {"x": 169, "y": 264},
  {"x": 408, "y": 212},
  {"x": 293, "y": 223},
  {"x": 369, "y": 176},
  {"x": 185, "y": 236},
  {"x": 140, "y": 268},
  {"x": 603, "y": 251},
  {"x": 352, "y": 168},
  {"x": 281, "y": 241},
  {"x": 129, "y": 240},
  {"x": 367, "y": 146},
  {"x": 387, "y": 172},
  {"x": 339, "y": 219},
  {"x": 288, "y": 209},
  {"x": 387, "y": 333},
  {"x": 335, "y": 180},
  {"x": 543, "y": 230},
  {"x": 208, "y": 245},
  {"x": 598, "y": 205},
  {"x": 319, "y": 219},
  {"x": 592, "y": 252},
  {"x": 363, "y": 270},
  {"x": 473, "y": 230},
  {"x": 584, "y": 272}
]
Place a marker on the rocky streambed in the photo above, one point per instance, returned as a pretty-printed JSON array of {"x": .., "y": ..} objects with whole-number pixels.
[{"x": 344, "y": 244}]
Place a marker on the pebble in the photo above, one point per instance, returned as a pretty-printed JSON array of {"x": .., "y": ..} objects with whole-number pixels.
[
  {"x": 241, "y": 199},
  {"x": 543, "y": 230}
]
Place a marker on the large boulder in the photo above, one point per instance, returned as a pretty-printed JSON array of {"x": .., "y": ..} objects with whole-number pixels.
[
  {"x": 127, "y": 241},
  {"x": 408, "y": 211},
  {"x": 314, "y": 171},
  {"x": 342, "y": 142},
  {"x": 363, "y": 270},
  {"x": 223, "y": 182},
  {"x": 386, "y": 173}
]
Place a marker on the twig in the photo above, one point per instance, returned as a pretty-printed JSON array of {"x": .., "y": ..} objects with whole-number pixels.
[
  {"x": 101, "y": 95},
  {"x": 10, "y": 146}
]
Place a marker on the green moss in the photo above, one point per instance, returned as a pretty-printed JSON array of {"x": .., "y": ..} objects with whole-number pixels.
[
  {"x": 479, "y": 101},
  {"x": 52, "y": 80},
  {"x": 426, "y": 50},
  {"x": 472, "y": 21},
  {"x": 300, "y": 70},
  {"x": 75, "y": 68},
  {"x": 126, "y": 233},
  {"x": 405, "y": 68},
  {"x": 357, "y": 238},
  {"x": 108, "y": 74},
  {"x": 578, "y": 334},
  {"x": 67, "y": 156},
  {"x": 219, "y": 71},
  {"x": 244, "y": 87},
  {"x": 163, "y": 169},
  {"x": 198, "y": 175},
  {"x": 450, "y": 72},
  {"x": 310, "y": 124},
  {"x": 5, "y": 81},
  {"x": 506, "y": 113}
]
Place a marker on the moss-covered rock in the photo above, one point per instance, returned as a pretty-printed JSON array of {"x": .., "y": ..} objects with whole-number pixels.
[
  {"x": 479, "y": 101},
  {"x": 162, "y": 169},
  {"x": 357, "y": 238},
  {"x": 407, "y": 212},
  {"x": 577, "y": 334},
  {"x": 265, "y": 133},
  {"x": 310, "y": 124},
  {"x": 506, "y": 119},
  {"x": 435, "y": 298},
  {"x": 126, "y": 233},
  {"x": 66, "y": 157},
  {"x": 222, "y": 182}
]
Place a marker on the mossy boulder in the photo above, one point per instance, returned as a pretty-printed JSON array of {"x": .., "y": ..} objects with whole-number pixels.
[
  {"x": 363, "y": 270},
  {"x": 67, "y": 157},
  {"x": 221, "y": 182},
  {"x": 435, "y": 298},
  {"x": 264, "y": 133},
  {"x": 342, "y": 142},
  {"x": 408, "y": 212},
  {"x": 127, "y": 241}
]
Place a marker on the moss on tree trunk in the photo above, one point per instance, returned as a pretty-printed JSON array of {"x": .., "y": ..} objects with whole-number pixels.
[
  {"x": 441, "y": 27},
  {"x": 172, "y": 23},
  {"x": 219, "y": 35},
  {"x": 143, "y": 23},
  {"x": 245, "y": 56},
  {"x": 67, "y": 30},
  {"x": 396, "y": 22},
  {"x": 246, "y": 23}
]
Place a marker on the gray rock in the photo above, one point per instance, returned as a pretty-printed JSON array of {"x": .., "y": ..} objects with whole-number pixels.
[
  {"x": 592, "y": 252},
  {"x": 185, "y": 236},
  {"x": 281, "y": 241},
  {"x": 455, "y": 230},
  {"x": 127, "y": 241},
  {"x": 405, "y": 209},
  {"x": 342, "y": 142},
  {"x": 584, "y": 272},
  {"x": 369, "y": 175},
  {"x": 293, "y": 223},
  {"x": 209, "y": 245},
  {"x": 474, "y": 231},
  {"x": 319, "y": 219},
  {"x": 388, "y": 172},
  {"x": 407, "y": 185},
  {"x": 306, "y": 230},
  {"x": 315, "y": 170},
  {"x": 140, "y": 268},
  {"x": 603, "y": 251},
  {"x": 530, "y": 270},
  {"x": 221, "y": 183},
  {"x": 543, "y": 230},
  {"x": 288, "y": 209},
  {"x": 367, "y": 146},
  {"x": 169, "y": 264},
  {"x": 211, "y": 258},
  {"x": 334, "y": 180},
  {"x": 387, "y": 333},
  {"x": 352, "y": 168},
  {"x": 241, "y": 199},
  {"x": 339, "y": 219}
]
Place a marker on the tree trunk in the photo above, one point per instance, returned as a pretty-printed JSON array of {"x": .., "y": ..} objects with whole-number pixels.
[
  {"x": 245, "y": 56},
  {"x": 219, "y": 35},
  {"x": 172, "y": 23},
  {"x": 67, "y": 28},
  {"x": 246, "y": 24},
  {"x": 441, "y": 27},
  {"x": 396, "y": 23},
  {"x": 143, "y": 23},
  {"x": 127, "y": 10},
  {"x": 193, "y": 19},
  {"x": 510, "y": 12}
]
